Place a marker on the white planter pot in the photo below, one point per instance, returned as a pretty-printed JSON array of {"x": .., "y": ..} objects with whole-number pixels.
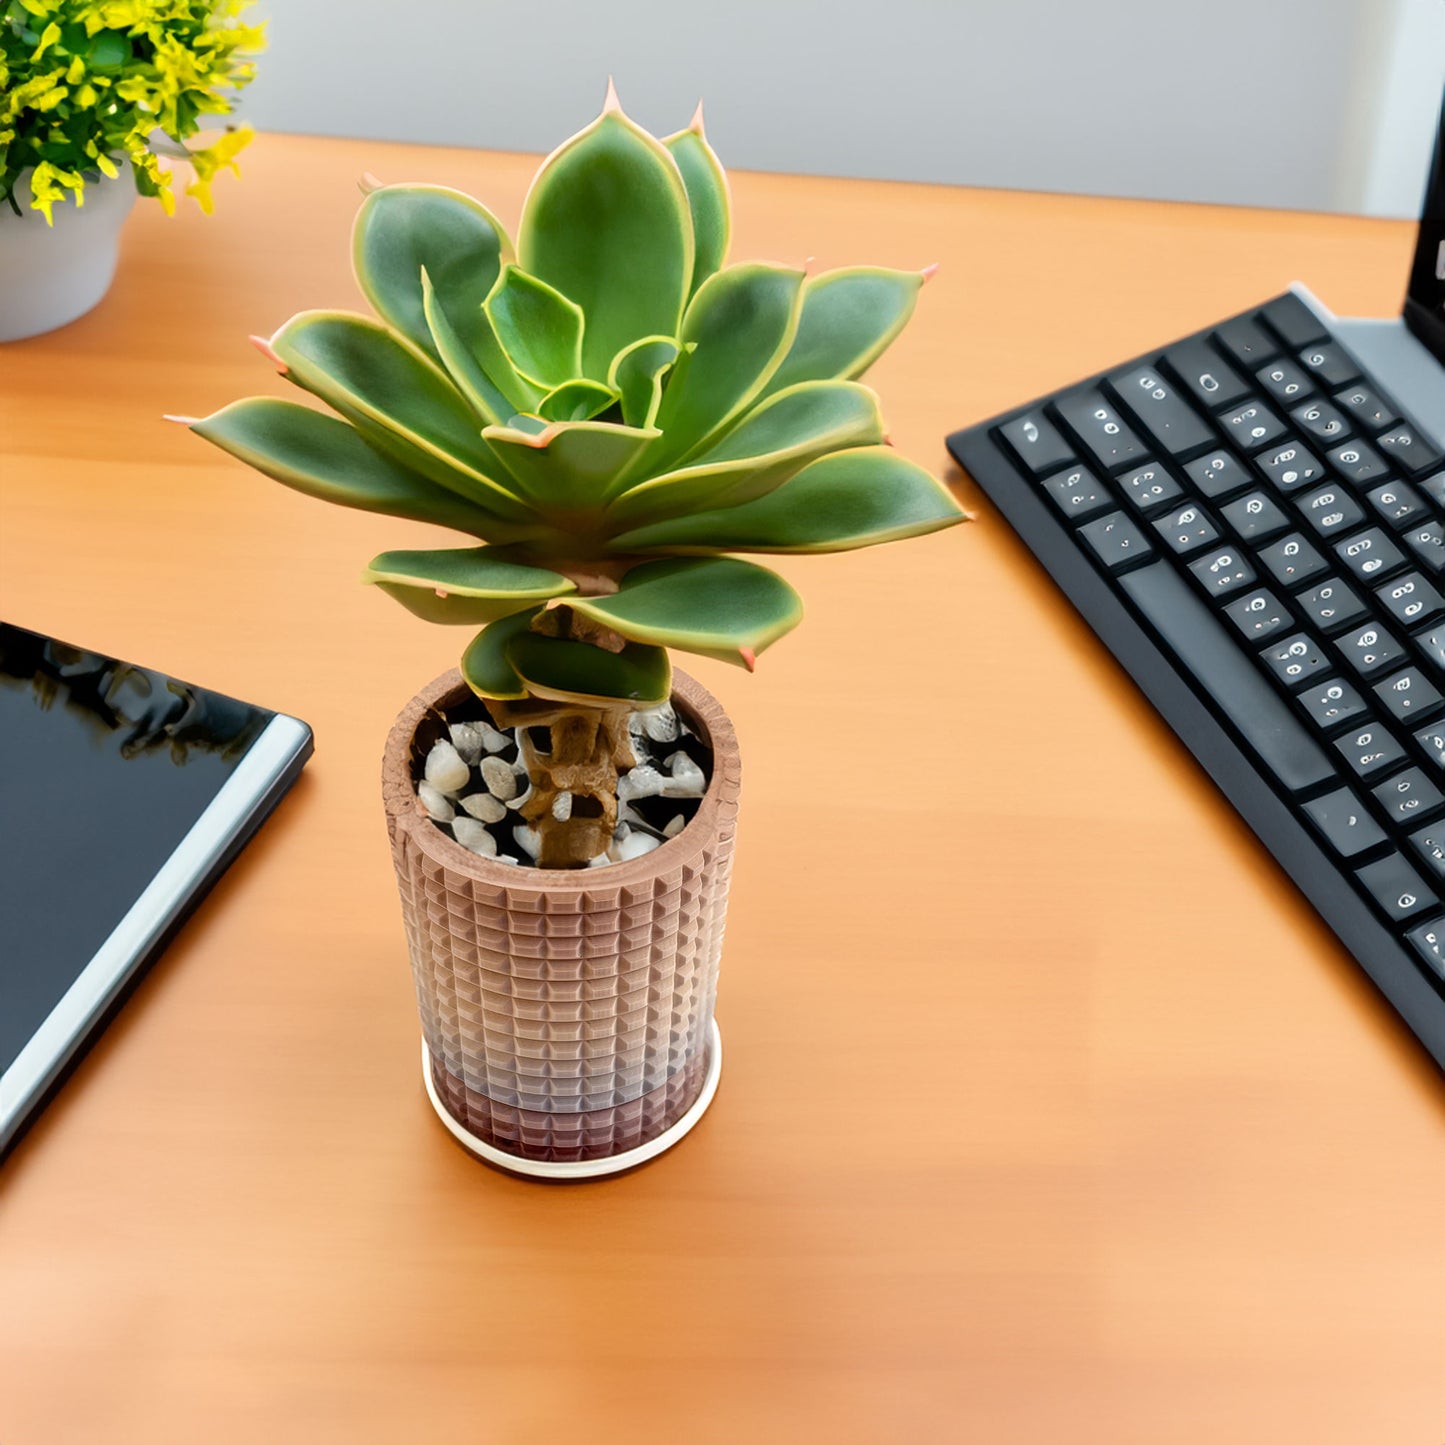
[{"x": 49, "y": 275}]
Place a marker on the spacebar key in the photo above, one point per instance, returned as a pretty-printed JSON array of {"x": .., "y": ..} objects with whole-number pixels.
[{"x": 1228, "y": 675}]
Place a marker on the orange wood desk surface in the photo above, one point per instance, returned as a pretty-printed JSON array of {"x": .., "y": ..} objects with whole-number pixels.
[{"x": 1063, "y": 1119}]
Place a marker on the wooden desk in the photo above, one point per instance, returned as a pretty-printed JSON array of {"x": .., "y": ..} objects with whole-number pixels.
[{"x": 1099, "y": 1136}]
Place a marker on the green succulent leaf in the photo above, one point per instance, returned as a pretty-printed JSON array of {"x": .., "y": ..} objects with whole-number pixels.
[
  {"x": 738, "y": 328},
  {"x": 485, "y": 668},
  {"x": 539, "y": 328},
  {"x": 848, "y": 320},
  {"x": 707, "y": 198},
  {"x": 849, "y": 499},
  {"x": 567, "y": 466},
  {"x": 401, "y": 400},
  {"x": 718, "y": 607},
  {"x": 463, "y": 585},
  {"x": 638, "y": 372},
  {"x": 770, "y": 444},
  {"x": 401, "y": 231},
  {"x": 324, "y": 457},
  {"x": 607, "y": 223},
  {"x": 570, "y": 671},
  {"x": 577, "y": 401},
  {"x": 474, "y": 359}
]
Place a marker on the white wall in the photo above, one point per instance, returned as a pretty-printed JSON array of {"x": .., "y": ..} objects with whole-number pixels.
[{"x": 1314, "y": 104}]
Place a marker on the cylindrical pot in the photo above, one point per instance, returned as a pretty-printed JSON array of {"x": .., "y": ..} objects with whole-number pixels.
[
  {"x": 54, "y": 274},
  {"x": 566, "y": 1015}
]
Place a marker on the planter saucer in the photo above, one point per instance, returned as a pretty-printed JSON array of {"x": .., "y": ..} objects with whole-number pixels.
[{"x": 581, "y": 1168}]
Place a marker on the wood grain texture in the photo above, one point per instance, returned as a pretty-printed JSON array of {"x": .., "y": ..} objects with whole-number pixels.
[{"x": 1064, "y": 1119}]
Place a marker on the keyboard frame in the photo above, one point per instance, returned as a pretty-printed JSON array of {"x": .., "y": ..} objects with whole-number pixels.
[{"x": 1205, "y": 730}]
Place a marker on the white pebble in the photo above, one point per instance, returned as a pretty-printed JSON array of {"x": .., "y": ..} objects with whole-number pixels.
[
  {"x": 445, "y": 768},
  {"x": 600, "y": 861},
  {"x": 562, "y": 807},
  {"x": 686, "y": 779},
  {"x": 675, "y": 827},
  {"x": 485, "y": 807},
  {"x": 632, "y": 846},
  {"x": 529, "y": 840},
  {"x": 499, "y": 778},
  {"x": 435, "y": 802},
  {"x": 475, "y": 836},
  {"x": 516, "y": 803},
  {"x": 492, "y": 740},
  {"x": 467, "y": 740},
  {"x": 641, "y": 782}
]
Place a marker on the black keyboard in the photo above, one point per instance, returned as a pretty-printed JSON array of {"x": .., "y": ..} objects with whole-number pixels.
[{"x": 1258, "y": 534}]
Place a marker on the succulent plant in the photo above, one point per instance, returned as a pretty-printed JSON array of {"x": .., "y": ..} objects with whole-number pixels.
[{"x": 611, "y": 411}]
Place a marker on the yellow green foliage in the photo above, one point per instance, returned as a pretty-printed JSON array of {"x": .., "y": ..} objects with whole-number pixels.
[{"x": 87, "y": 84}]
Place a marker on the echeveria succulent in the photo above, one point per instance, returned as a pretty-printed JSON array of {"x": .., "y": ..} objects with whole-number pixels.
[{"x": 609, "y": 409}]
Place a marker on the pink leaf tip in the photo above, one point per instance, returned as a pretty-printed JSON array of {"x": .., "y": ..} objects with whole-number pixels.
[
  {"x": 442, "y": 593},
  {"x": 611, "y": 106},
  {"x": 749, "y": 657},
  {"x": 369, "y": 183},
  {"x": 181, "y": 420},
  {"x": 266, "y": 350},
  {"x": 929, "y": 272},
  {"x": 695, "y": 124}
]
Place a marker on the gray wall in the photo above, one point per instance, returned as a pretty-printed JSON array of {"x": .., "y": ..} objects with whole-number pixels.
[{"x": 1312, "y": 104}]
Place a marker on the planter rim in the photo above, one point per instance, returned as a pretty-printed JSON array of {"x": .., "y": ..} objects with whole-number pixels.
[{"x": 404, "y": 808}]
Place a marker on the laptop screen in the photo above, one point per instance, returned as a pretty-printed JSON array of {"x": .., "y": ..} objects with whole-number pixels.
[{"x": 1425, "y": 301}]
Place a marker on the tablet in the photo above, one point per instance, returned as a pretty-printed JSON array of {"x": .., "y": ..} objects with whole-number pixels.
[{"x": 124, "y": 793}]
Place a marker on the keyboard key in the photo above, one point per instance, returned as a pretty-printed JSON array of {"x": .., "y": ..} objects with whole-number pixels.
[
  {"x": 1431, "y": 641},
  {"x": 1106, "y": 436},
  {"x": 1369, "y": 409},
  {"x": 1284, "y": 381},
  {"x": 1397, "y": 888},
  {"x": 1291, "y": 467},
  {"x": 1427, "y": 542},
  {"x": 1409, "y": 449},
  {"x": 1223, "y": 572},
  {"x": 1432, "y": 739},
  {"x": 1329, "y": 704},
  {"x": 1397, "y": 503},
  {"x": 1370, "y": 749},
  {"x": 1408, "y": 693},
  {"x": 1331, "y": 604},
  {"x": 1161, "y": 411},
  {"x": 1255, "y": 517},
  {"x": 1330, "y": 510},
  {"x": 1434, "y": 488},
  {"x": 1258, "y": 614},
  {"x": 1187, "y": 530},
  {"x": 1293, "y": 559},
  {"x": 1246, "y": 342},
  {"x": 1321, "y": 421},
  {"x": 1295, "y": 660},
  {"x": 1429, "y": 844},
  {"x": 1252, "y": 425},
  {"x": 1037, "y": 443},
  {"x": 1369, "y": 650},
  {"x": 1347, "y": 826},
  {"x": 1408, "y": 795},
  {"x": 1330, "y": 362},
  {"x": 1078, "y": 493},
  {"x": 1151, "y": 486},
  {"x": 1410, "y": 599},
  {"x": 1227, "y": 674},
  {"x": 1116, "y": 540},
  {"x": 1294, "y": 321},
  {"x": 1206, "y": 374},
  {"x": 1218, "y": 474},
  {"x": 1358, "y": 462},
  {"x": 1370, "y": 554},
  {"x": 1427, "y": 939}
]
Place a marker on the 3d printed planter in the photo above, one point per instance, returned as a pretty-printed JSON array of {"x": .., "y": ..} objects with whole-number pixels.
[{"x": 567, "y": 1015}]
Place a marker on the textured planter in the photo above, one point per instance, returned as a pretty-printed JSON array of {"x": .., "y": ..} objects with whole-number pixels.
[
  {"x": 567, "y": 1016},
  {"x": 66, "y": 268}
]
